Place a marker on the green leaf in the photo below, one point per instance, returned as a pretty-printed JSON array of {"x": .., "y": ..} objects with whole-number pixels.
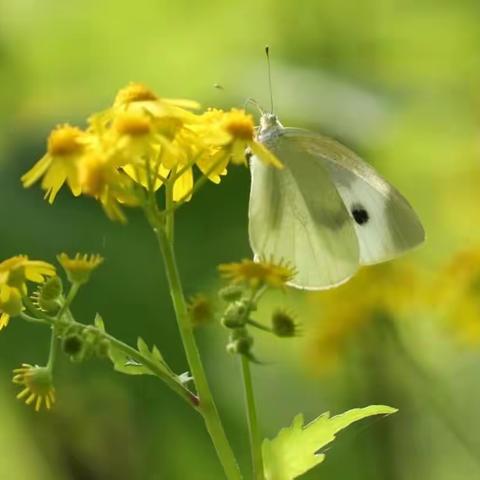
[
  {"x": 99, "y": 323},
  {"x": 122, "y": 362},
  {"x": 293, "y": 451}
]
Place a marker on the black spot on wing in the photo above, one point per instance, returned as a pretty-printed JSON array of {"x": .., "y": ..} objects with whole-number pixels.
[{"x": 359, "y": 214}]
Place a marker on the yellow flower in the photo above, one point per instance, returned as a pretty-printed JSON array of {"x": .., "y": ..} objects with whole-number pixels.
[
  {"x": 391, "y": 289},
  {"x": 240, "y": 129},
  {"x": 38, "y": 385},
  {"x": 257, "y": 274},
  {"x": 112, "y": 187},
  {"x": 80, "y": 267},
  {"x": 14, "y": 274},
  {"x": 456, "y": 294},
  {"x": 15, "y": 271},
  {"x": 65, "y": 146},
  {"x": 169, "y": 114}
]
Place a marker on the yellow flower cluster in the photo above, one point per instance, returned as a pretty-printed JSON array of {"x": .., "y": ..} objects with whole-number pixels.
[
  {"x": 139, "y": 144},
  {"x": 14, "y": 274}
]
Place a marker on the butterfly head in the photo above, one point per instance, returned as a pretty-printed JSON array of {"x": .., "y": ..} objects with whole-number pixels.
[{"x": 269, "y": 124}]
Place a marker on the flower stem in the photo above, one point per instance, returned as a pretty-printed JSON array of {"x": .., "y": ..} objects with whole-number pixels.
[
  {"x": 254, "y": 433},
  {"x": 53, "y": 338},
  {"x": 207, "y": 405}
]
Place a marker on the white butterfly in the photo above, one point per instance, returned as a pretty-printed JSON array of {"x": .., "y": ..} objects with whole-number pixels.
[{"x": 327, "y": 212}]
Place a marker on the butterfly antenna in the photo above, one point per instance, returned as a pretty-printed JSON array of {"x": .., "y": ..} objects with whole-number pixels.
[
  {"x": 254, "y": 103},
  {"x": 267, "y": 53}
]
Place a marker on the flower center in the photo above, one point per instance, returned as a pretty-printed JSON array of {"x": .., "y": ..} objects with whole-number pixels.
[
  {"x": 134, "y": 92},
  {"x": 132, "y": 124},
  {"x": 65, "y": 140},
  {"x": 239, "y": 125}
]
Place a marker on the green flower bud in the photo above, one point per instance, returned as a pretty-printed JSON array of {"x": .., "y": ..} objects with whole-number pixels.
[
  {"x": 74, "y": 346},
  {"x": 283, "y": 325},
  {"x": 231, "y": 293},
  {"x": 49, "y": 294},
  {"x": 241, "y": 346},
  {"x": 235, "y": 315}
]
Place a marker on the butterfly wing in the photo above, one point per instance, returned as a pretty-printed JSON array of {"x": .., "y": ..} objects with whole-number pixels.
[
  {"x": 385, "y": 223},
  {"x": 296, "y": 214}
]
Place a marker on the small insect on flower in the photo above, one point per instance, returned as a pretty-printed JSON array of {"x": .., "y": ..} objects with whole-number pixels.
[
  {"x": 257, "y": 274},
  {"x": 65, "y": 147},
  {"x": 80, "y": 267},
  {"x": 38, "y": 385}
]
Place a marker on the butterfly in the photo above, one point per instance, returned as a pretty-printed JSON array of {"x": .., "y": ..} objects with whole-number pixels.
[{"x": 327, "y": 212}]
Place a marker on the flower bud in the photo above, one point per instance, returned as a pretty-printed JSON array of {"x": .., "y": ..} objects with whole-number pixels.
[
  {"x": 283, "y": 325},
  {"x": 235, "y": 315},
  {"x": 74, "y": 346},
  {"x": 231, "y": 293},
  {"x": 49, "y": 294}
]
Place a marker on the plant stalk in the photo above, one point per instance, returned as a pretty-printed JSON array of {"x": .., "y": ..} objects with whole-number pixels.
[
  {"x": 254, "y": 433},
  {"x": 207, "y": 405}
]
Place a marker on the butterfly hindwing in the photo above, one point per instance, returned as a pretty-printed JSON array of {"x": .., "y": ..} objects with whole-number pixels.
[{"x": 297, "y": 214}]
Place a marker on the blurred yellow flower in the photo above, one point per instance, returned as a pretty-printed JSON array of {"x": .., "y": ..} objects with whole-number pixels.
[
  {"x": 65, "y": 146},
  {"x": 456, "y": 295},
  {"x": 80, "y": 267},
  {"x": 390, "y": 289},
  {"x": 38, "y": 385},
  {"x": 257, "y": 274}
]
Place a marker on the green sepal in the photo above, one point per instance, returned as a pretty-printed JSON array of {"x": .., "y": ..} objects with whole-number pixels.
[{"x": 294, "y": 450}]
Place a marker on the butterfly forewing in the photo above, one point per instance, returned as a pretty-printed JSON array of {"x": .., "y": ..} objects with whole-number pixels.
[
  {"x": 297, "y": 215},
  {"x": 385, "y": 223}
]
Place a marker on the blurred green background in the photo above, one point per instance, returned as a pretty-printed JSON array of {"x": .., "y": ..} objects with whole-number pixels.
[{"x": 397, "y": 81}]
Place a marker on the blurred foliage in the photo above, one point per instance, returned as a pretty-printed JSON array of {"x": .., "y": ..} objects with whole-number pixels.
[{"x": 396, "y": 81}]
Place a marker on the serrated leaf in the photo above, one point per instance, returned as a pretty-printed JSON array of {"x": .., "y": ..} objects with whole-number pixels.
[
  {"x": 124, "y": 364},
  {"x": 142, "y": 347},
  {"x": 99, "y": 323},
  {"x": 294, "y": 450}
]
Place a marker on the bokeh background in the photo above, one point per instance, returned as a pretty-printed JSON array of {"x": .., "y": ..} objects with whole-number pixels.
[{"x": 398, "y": 81}]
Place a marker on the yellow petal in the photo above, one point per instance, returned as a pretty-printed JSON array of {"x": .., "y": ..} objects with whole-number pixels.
[{"x": 265, "y": 155}]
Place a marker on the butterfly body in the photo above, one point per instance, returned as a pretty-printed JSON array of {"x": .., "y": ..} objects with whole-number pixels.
[{"x": 327, "y": 211}]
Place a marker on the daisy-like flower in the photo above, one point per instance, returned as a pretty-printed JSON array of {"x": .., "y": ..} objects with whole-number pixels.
[
  {"x": 80, "y": 267},
  {"x": 14, "y": 274},
  {"x": 170, "y": 114},
  {"x": 257, "y": 274},
  {"x": 240, "y": 130},
  {"x": 101, "y": 179},
  {"x": 65, "y": 146},
  {"x": 10, "y": 304},
  {"x": 38, "y": 387}
]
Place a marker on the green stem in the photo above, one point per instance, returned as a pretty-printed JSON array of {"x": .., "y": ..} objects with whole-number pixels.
[
  {"x": 207, "y": 406},
  {"x": 131, "y": 352},
  {"x": 52, "y": 355},
  {"x": 254, "y": 433}
]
